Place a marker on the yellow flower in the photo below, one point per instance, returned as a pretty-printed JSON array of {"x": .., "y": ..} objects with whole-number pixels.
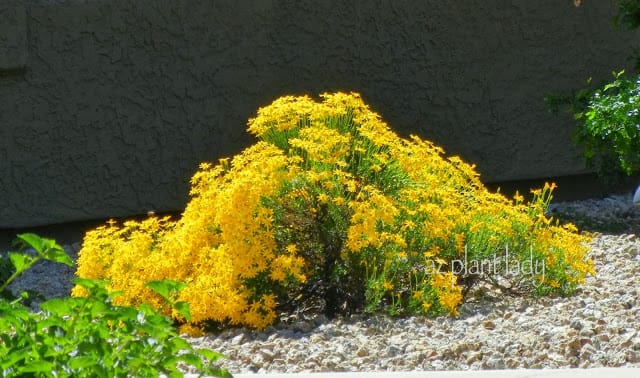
[
  {"x": 351, "y": 186},
  {"x": 191, "y": 330},
  {"x": 518, "y": 198},
  {"x": 460, "y": 242},
  {"x": 408, "y": 224},
  {"x": 339, "y": 201}
]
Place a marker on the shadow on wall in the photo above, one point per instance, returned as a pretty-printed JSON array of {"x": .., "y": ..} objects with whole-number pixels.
[
  {"x": 570, "y": 188},
  {"x": 128, "y": 96}
]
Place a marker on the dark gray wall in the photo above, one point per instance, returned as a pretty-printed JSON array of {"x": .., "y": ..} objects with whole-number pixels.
[{"x": 106, "y": 107}]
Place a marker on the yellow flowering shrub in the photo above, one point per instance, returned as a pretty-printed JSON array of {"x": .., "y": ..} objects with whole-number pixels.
[{"x": 332, "y": 205}]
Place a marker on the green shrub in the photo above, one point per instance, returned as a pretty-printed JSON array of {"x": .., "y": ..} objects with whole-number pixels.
[
  {"x": 628, "y": 15},
  {"x": 612, "y": 124},
  {"x": 6, "y": 270},
  {"x": 90, "y": 336},
  {"x": 608, "y": 126},
  {"x": 331, "y": 206}
]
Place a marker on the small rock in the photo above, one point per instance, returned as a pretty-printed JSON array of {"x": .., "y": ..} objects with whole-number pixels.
[
  {"x": 237, "y": 340},
  {"x": 586, "y": 352},
  {"x": 493, "y": 362},
  {"x": 421, "y": 346},
  {"x": 362, "y": 352},
  {"x": 489, "y": 325},
  {"x": 473, "y": 357},
  {"x": 576, "y": 324},
  {"x": 303, "y": 326},
  {"x": 267, "y": 354},
  {"x": 628, "y": 340},
  {"x": 633, "y": 356},
  {"x": 573, "y": 346},
  {"x": 586, "y": 332}
]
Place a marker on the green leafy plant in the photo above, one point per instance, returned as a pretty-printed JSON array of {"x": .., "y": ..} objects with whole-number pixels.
[
  {"x": 13, "y": 264},
  {"x": 90, "y": 336},
  {"x": 628, "y": 15},
  {"x": 607, "y": 117},
  {"x": 611, "y": 125},
  {"x": 6, "y": 270}
]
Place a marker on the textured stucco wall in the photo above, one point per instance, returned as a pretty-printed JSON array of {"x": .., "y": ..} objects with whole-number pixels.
[
  {"x": 13, "y": 36},
  {"x": 106, "y": 107}
]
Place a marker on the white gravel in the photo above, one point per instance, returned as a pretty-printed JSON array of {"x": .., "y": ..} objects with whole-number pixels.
[{"x": 599, "y": 326}]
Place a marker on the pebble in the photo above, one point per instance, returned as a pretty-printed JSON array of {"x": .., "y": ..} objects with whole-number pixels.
[{"x": 599, "y": 326}]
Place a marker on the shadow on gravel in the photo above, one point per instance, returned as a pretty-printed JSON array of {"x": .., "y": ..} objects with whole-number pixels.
[{"x": 614, "y": 215}]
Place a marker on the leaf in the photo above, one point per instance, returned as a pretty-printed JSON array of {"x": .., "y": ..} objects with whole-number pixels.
[
  {"x": 224, "y": 373},
  {"x": 58, "y": 255},
  {"x": 13, "y": 311},
  {"x": 82, "y": 362},
  {"x": 90, "y": 284},
  {"x": 58, "y": 306},
  {"x": 34, "y": 241},
  {"x": 175, "y": 374},
  {"x": 166, "y": 288},
  {"x": 21, "y": 261},
  {"x": 179, "y": 344},
  {"x": 192, "y": 359},
  {"x": 97, "y": 308},
  {"x": 210, "y": 354},
  {"x": 37, "y": 366},
  {"x": 13, "y": 358},
  {"x": 46, "y": 248},
  {"x": 183, "y": 309}
]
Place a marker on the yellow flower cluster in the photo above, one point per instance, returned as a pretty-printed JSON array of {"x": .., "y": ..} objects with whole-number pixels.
[
  {"x": 331, "y": 196},
  {"x": 222, "y": 239}
]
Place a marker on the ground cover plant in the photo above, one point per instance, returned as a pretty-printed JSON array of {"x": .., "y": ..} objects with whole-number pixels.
[
  {"x": 91, "y": 336},
  {"x": 331, "y": 205}
]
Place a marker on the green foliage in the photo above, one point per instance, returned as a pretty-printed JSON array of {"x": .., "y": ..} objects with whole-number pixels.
[
  {"x": 6, "y": 271},
  {"x": 628, "y": 15},
  {"x": 611, "y": 131},
  {"x": 608, "y": 122},
  {"x": 90, "y": 336},
  {"x": 608, "y": 125},
  {"x": 15, "y": 263}
]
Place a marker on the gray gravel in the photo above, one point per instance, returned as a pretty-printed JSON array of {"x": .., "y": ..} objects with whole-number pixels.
[
  {"x": 47, "y": 279},
  {"x": 597, "y": 327}
]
